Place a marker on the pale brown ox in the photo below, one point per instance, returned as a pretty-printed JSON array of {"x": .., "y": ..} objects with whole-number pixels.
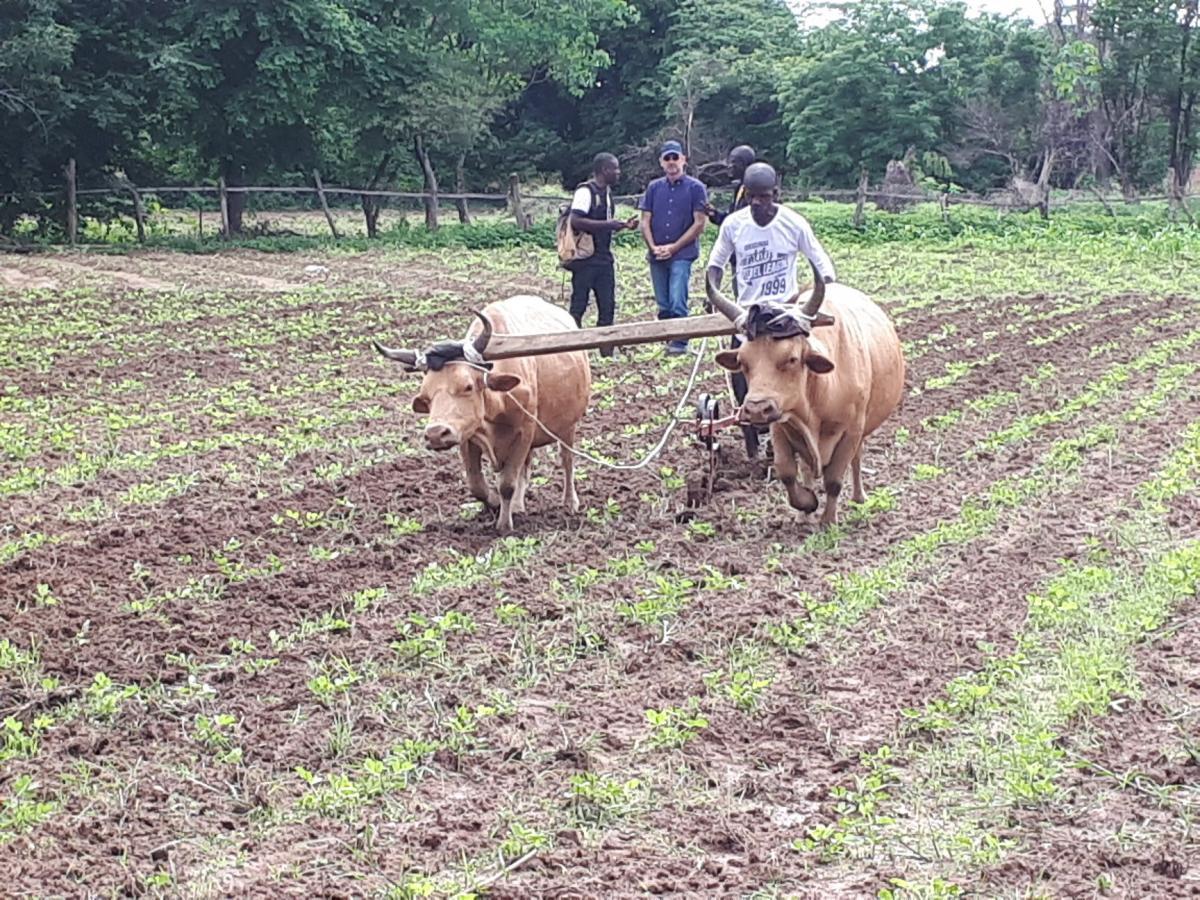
[
  {"x": 486, "y": 413},
  {"x": 822, "y": 394}
]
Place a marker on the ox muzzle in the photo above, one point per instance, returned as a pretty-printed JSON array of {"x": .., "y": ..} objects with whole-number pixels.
[
  {"x": 439, "y": 436},
  {"x": 760, "y": 411}
]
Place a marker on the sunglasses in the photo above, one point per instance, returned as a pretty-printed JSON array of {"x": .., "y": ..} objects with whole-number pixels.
[{"x": 671, "y": 157}]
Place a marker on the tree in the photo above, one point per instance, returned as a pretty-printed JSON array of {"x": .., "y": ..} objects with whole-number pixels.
[
  {"x": 1149, "y": 74},
  {"x": 455, "y": 66},
  {"x": 721, "y": 82},
  {"x": 244, "y": 83},
  {"x": 865, "y": 88}
]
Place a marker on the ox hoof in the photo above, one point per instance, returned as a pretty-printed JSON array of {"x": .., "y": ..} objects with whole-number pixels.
[{"x": 803, "y": 499}]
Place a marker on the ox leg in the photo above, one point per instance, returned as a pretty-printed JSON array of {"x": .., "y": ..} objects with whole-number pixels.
[
  {"x": 472, "y": 459},
  {"x": 523, "y": 485},
  {"x": 860, "y": 495},
  {"x": 843, "y": 453},
  {"x": 510, "y": 480},
  {"x": 799, "y": 496},
  {"x": 567, "y": 458}
]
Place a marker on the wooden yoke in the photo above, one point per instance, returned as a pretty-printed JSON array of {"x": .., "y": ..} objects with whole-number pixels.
[{"x": 507, "y": 346}]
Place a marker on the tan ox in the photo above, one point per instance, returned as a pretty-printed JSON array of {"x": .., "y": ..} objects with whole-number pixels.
[
  {"x": 822, "y": 394},
  {"x": 484, "y": 408}
]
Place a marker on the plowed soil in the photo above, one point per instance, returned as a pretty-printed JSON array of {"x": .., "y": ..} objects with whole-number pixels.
[{"x": 222, "y": 471}]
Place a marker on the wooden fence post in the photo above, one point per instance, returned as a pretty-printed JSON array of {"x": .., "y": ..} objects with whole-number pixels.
[
  {"x": 324, "y": 204},
  {"x": 1103, "y": 201},
  {"x": 224, "y": 197},
  {"x": 524, "y": 220},
  {"x": 72, "y": 209},
  {"x": 944, "y": 206},
  {"x": 139, "y": 213},
  {"x": 1178, "y": 201},
  {"x": 861, "y": 199}
]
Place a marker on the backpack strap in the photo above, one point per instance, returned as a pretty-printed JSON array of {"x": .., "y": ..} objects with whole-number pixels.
[{"x": 594, "y": 190}]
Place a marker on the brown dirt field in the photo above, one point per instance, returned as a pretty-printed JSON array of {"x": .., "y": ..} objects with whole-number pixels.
[{"x": 228, "y": 589}]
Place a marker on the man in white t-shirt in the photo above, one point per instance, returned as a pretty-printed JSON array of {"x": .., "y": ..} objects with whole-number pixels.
[{"x": 767, "y": 240}]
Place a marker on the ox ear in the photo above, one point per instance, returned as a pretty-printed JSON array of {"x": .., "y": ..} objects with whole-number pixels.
[
  {"x": 822, "y": 319},
  {"x": 818, "y": 363},
  {"x": 501, "y": 381},
  {"x": 728, "y": 359},
  {"x": 816, "y": 357},
  {"x": 420, "y": 404}
]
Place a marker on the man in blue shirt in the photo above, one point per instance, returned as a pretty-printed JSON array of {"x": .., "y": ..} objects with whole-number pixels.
[{"x": 673, "y": 215}]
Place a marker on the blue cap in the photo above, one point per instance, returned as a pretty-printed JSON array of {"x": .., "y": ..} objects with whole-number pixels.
[{"x": 670, "y": 147}]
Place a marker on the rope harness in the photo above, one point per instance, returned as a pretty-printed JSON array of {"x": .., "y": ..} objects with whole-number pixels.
[{"x": 651, "y": 454}]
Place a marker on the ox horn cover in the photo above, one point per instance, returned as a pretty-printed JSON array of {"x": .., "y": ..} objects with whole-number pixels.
[{"x": 774, "y": 320}]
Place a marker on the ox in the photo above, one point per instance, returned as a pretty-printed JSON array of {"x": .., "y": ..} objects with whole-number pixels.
[
  {"x": 484, "y": 408},
  {"x": 822, "y": 395}
]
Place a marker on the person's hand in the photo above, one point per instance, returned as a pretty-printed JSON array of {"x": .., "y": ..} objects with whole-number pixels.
[
  {"x": 664, "y": 252},
  {"x": 710, "y": 210},
  {"x": 632, "y": 223}
]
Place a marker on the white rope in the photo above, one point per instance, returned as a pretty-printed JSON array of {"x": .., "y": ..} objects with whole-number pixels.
[{"x": 651, "y": 454}]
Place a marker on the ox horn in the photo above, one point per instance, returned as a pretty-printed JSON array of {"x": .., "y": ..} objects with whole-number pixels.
[
  {"x": 481, "y": 339},
  {"x": 813, "y": 306},
  {"x": 720, "y": 302},
  {"x": 406, "y": 357}
]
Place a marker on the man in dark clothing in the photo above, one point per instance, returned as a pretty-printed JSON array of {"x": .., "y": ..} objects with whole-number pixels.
[
  {"x": 592, "y": 211},
  {"x": 740, "y": 158}
]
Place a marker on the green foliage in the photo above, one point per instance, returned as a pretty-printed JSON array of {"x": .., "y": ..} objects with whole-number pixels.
[
  {"x": 463, "y": 571},
  {"x": 600, "y": 800},
  {"x": 674, "y": 726},
  {"x": 398, "y": 94}
]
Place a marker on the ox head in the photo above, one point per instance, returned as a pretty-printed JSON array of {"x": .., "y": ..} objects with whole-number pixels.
[
  {"x": 455, "y": 387},
  {"x": 778, "y": 353}
]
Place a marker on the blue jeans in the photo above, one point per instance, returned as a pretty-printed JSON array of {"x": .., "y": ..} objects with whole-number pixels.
[{"x": 670, "y": 279}]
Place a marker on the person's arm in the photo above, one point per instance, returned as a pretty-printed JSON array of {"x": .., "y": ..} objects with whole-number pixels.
[
  {"x": 581, "y": 204},
  {"x": 644, "y": 207},
  {"x": 647, "y": 234},
  {"x": 718, "y": 258},
  {"x": 581, "y": 222},
  {"x": 808, "y": 244}
]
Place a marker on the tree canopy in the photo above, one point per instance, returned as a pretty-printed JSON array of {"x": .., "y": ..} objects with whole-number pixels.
[{"x": 404, "y": 92}]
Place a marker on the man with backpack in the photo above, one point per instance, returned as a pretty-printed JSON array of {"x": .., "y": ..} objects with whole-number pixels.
[{"x": 591, "y": 214}]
